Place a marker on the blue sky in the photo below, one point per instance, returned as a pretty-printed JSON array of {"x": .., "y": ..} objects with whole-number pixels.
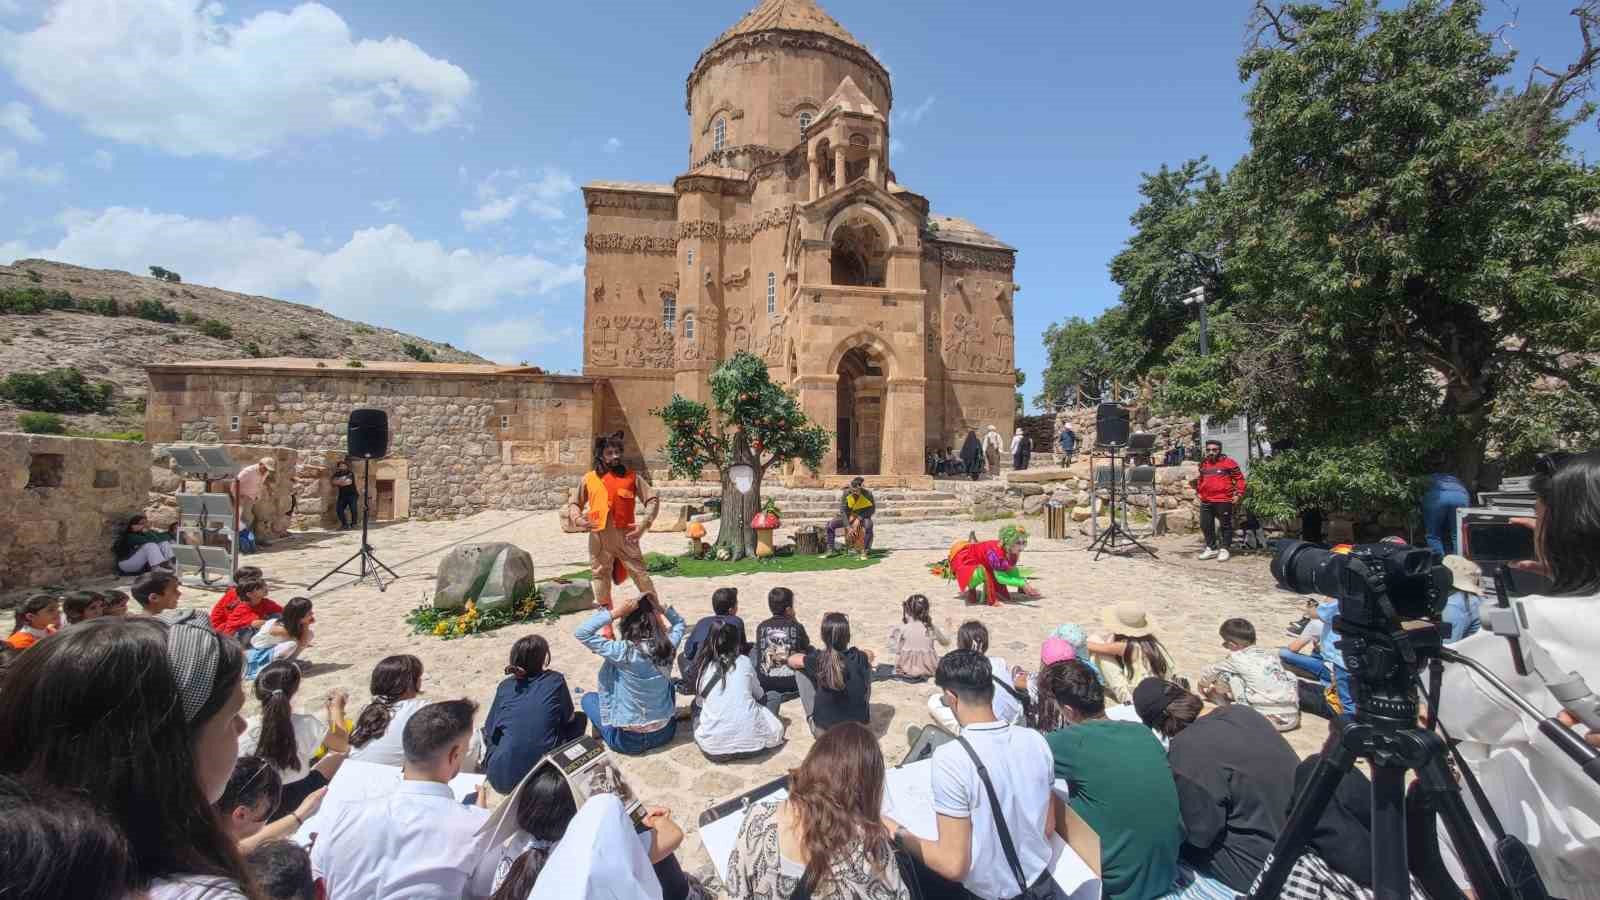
[{"x": 415, "y": 164}]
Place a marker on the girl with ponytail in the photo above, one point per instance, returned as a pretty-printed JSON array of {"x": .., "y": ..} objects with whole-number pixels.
[
  {"x": 396, "y": 686},
  {"x": 835, "y": 680},
  {"x": 289, "y": 740},
  {"x": 531, "y": 715}
]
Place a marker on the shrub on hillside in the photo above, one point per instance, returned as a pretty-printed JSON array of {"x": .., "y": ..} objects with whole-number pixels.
[
  {"x": 155, "y": 311},
  {"x": 253, "y": 350},
  {"x": 222, "y": 331},
  {"x": 41, "y": 423},
  {"x": 189, "y": 318},
  {"x": 105, "y": 306},
  {"x": 58, "y": 390},
  {"x": 165, "y": 275},
  {"x": 31, "y": 300},
  {"x": 420, "y": 354}
]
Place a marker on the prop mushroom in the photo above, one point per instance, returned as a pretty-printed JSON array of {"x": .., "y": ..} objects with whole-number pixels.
[
  {"x": 696, "y": 532},
  {"x": 764, "y": 522}
]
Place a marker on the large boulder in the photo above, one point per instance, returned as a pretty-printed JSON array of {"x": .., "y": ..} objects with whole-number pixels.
[
  {"x": 494, "y": 574},
  {"x": 564, "y": 597}
]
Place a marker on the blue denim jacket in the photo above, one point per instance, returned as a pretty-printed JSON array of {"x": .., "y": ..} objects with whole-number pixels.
[
  {"x": 633, "y": 690},
  {"x": 1461, "y": 615}
]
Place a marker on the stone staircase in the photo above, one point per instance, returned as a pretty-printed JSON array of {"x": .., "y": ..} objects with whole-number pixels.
[{"x": 815, "y": 506}]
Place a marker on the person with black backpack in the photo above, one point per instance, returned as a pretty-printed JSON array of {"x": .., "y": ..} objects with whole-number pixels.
[{"x": 992, "y": 794}]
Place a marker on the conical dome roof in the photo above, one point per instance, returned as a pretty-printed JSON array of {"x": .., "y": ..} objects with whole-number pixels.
[{"x": 789, "y": 15}]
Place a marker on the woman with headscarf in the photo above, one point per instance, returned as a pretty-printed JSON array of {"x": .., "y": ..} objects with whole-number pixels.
[
  {"x": 972, "y": 455},
  {"x": 985, "y": 570}
]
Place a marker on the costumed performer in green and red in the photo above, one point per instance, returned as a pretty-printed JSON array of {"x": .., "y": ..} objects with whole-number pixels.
[{"x": 986, "y": 571}]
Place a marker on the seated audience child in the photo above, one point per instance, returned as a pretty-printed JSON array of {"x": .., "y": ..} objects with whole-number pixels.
[
  {"x": 1008, "y": 700},
  {"x": 8, "y": 656},
  {"x": 531, "y": 715},
  {"x": 141, "y": 548},
  {"x": 1044, "y": 713},
  {"x": 724, "y": 608},
  {"x": 1075, "y": 635},
  {"x": 153, "y": 711},
  {"x": 633, "y": 708},
  {"x": 731, "y": 723},
  {"x": 1341, "y": 691},
  {"x": 1129, "y": 652},
  {"x": 835, "y": 681},
  {"x": 283, "y": 638},
  {"x": 605, "y": 855},
  {"x": 56, "y": 846},
  {"x": 38, "y": 617},
  {"x": 251, "y": 797},
  {"x": 1120, "y": 786},
  {"x": 777, "y": 639},
  {"x": 395, "y": 686},
  {"x": 992, "y": 782},
  {"x": 1461, "y": 617},
  {"x": 420, "y": 840},
  {"x": 289, "y": 740},
  {"x": 826, "y": 839},
  {"x": 283, "y": 872},
  {"x": 157, "y": 592},
  {"x": 1303, "y": 657},
  {"x": 116, "y": 603},
  {"x": 82, "y": 606},
  {"x": 1234, "y": 775},
  {"x": 243, "y": 609},
  {"x": 1251, "y": 676},
  {"x": 912, "y": 641}
]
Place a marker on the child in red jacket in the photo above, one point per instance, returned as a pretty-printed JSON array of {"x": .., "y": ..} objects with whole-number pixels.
[{"x": 245, "y": 607}]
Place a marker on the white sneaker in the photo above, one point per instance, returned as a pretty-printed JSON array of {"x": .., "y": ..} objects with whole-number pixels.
[
  {"x": 1222, "y": 556},
  {"x": 1207, "y": 553}
]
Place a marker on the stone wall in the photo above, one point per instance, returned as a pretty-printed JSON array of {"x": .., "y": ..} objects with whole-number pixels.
[
  {"x": 277, "y": 503},
  {"x": 1170, "y": 431},
  {"x": 462, "y": 438},
  {"x": 1026, "y": 493},
  {"x": 63, "y": 503}
]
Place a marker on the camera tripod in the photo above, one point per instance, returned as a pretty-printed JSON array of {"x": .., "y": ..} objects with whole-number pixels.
[
  {"x": 370, "y": 563},
  {"x": 1109, "y": 540},
  {"x": 1383, "y": 666}
]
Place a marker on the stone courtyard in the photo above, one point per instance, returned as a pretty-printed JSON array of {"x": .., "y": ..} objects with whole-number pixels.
[{"x": 357, "y": 625}]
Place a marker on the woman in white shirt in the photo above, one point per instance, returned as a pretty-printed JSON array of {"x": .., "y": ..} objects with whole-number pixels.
[
  {"x": 1539, "y": 794},
  {"x": 1008, "y": 701},
  {"x": 732, "y": 723},
  {"x": 152, "y": 711},
  {"x": 289, "y": 740},
  {"x": 396, "y": 686}
]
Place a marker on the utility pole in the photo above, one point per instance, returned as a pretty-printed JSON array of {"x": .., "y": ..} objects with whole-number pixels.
[{"x": 1197, "y": 297}]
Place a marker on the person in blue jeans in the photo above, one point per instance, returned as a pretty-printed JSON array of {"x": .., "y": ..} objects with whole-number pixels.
[
  {"x": 633, "y": 709},
  {"x": 1444, "y": 495},
  {"x": 1332, "y": 669},
  {"x": 1460, "y": 615}
]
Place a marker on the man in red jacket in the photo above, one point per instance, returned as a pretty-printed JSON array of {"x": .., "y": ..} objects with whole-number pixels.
[{"x": 1220, "y": 486}]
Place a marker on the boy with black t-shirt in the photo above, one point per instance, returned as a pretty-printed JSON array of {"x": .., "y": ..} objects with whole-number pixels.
[
  {"x": 777, "y": 639},
  {"x": 724, "y": 608}
]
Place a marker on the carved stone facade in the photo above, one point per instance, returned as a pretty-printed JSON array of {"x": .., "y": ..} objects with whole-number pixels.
[{"x": 789, "y": 237}]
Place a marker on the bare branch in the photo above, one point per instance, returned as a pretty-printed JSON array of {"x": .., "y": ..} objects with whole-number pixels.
[
  {"x": 1578, "y": 78},
  {"x": 1265, "y": 17}
]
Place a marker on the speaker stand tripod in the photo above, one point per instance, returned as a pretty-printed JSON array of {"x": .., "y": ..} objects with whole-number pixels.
[
  {"x": 370, "y": 563},
  {"x": 1109, "y": 540}
]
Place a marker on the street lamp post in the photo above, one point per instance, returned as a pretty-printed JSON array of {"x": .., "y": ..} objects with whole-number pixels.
[{"x": 1197, "y": 297}]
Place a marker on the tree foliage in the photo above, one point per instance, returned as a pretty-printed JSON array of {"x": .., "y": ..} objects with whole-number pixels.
[
  {"x": 166, "y": 275},
  {"x": 57, "y": 390},
  {"x": 751, "y": 421}
]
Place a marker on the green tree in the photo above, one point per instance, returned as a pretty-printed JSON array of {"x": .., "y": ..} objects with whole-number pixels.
[
  {"x": 751, "y": 421},
  {"x": 1409, "y": 257},
  {"x": 1022, "y": 379},
  {"x": 416, "y": 352},
  {"x": 57, "y": 390}
]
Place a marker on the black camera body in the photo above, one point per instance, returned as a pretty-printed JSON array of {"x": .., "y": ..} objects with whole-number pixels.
[{"x": 1377, "y": 586}]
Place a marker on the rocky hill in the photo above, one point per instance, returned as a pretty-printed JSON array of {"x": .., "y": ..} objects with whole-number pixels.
[{"x": 116, "y": 348}]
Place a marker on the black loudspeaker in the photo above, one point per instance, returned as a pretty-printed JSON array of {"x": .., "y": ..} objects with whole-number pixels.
[
  {"x": 368, "y": 437},
  {"x": 1111, "y": 425}
]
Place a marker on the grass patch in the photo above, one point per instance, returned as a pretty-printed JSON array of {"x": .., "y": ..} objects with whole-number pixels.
[{"x": 783, "y": 561}]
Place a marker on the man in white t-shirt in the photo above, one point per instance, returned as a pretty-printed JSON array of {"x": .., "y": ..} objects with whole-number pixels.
[
  {"x": 421, "y": 840},
  {"x": 1020, "y": 768},
  {"x": 247, "y": 487}
]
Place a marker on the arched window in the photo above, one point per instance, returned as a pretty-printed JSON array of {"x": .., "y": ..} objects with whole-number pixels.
[
  {"x": 719, "y": 133},
  {"x": 688, "y": 326},
  {"x": 669, "y": 311},
  {"x": 805, "y": 122},
  {"x": 772, "y": 293}
]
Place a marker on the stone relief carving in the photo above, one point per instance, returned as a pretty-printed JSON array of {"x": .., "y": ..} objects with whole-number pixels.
[
  {"x": 733, "y": 112},
  {"x": 933, "y": 337},
  {"x": 736, "y": 231},
  {"x": 735, "y": 316},
  {"x": 772, "y": 344},
  {"x": 631, "y": 201},
  {"x": 699, "y": 228},
  {"x": 970, "y": 257},
  {"x": 600, "y": 292},
  {"x": 789, "y": 108},
  {"x": 1001, "y": 329},
  {"x": 629, "y": 243},
  {"x": 963, "y": 345},
  {"x": 737, "y": 279},
  {"x": 876, "y": 327},
  {"x": 741, "y": 338},
  {"x": 649, "y": 349}
]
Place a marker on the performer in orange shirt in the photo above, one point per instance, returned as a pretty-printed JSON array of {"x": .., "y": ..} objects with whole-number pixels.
[{"x": 606, "y": 506}]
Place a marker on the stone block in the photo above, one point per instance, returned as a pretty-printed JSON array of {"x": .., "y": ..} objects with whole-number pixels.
[
  {"x": 1032, "y": 504},
  {"x": 564, "y": 597},
  {"x": 1080, "y": 513},
  {"x": 494, "y": 574}
]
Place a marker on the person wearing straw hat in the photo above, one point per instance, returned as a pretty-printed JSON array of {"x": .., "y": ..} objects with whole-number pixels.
[
  {"x": 1128, "y": 651},
  {"x": 247, "y": 488},
  {"x": 1466, "y": 595}
]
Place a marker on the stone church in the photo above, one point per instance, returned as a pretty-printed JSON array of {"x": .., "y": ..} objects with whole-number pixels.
[{"x": 788, "y": 236}]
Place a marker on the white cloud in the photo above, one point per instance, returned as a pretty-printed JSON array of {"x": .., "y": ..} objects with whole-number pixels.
[
  {"x": 386, "y": 206},
  {"x": 896, "y": 146},
  {"x": 102, "y": 160},
  {"x": 613, "y": 144},
  {"x": 171, "y": 74},
  {"x": 511, "y": 341},
  {"x": 11, "y": 168},
  {"x": 916, "y": 113},
  {"x": 17, "y": 118},
  {"x": 506, "y": 191},
  {"x": 383, "y": 273}
]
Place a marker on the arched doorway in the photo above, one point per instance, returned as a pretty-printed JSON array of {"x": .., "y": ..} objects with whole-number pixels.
[{"x": 859, "y": 433}]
